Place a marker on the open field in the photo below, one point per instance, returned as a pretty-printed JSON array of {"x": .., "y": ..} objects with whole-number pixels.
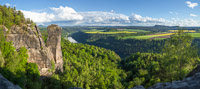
[
  {"x": 159, "y": 36},
  {"x": 118, "y": 32},
  {"x": 183, "y": 30},
  {"x": 156, "y": 36},
  {"x": 135, "y": 30},
  {"x": 93, "y": 30},
  {"x": 197, "y": 35}
]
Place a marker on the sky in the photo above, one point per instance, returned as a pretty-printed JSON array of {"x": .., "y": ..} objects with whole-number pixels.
[{"x": 110, "y": 12}]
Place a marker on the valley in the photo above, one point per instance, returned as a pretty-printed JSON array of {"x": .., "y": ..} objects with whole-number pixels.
[
  {"x": 83, "y": 50},
  {"x": 145, "y": 39}
]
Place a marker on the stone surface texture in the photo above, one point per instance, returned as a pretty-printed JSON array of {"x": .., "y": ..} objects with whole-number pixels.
[
  {"x": 30, "y": 37},
  {"x": 5, "y": 84}
]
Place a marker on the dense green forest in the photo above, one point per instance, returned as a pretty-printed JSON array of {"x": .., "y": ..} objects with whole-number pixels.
[
  {"x": 10, "y": 16},
  {"x": 177, "y": 59},
  {"x": 123, "y": 48},
  {"x": 13, "y": 64},
  {"x": 93, "y": 67}
]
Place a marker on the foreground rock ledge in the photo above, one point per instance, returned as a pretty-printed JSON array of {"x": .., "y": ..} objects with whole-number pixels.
[
  {"x": 5, "y": 84},
  {"x": 187, "y": 83}
]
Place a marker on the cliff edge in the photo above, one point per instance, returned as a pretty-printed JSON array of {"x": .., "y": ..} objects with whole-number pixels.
[{"x": 30, "y": 37}]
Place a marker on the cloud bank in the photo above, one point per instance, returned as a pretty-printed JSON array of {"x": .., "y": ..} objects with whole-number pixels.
[
  {"x": 58, "y": 14},
  {"x": 68, "y": 16},
  {"x": 191, "y": 5}
]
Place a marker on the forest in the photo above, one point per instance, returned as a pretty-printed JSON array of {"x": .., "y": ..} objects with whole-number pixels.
[{"x": 92, "y": 67}]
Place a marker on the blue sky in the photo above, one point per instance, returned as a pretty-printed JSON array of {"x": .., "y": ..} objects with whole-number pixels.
[{"x": 110, "y": 12}]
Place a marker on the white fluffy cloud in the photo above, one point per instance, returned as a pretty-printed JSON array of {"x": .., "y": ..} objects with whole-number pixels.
[
  {"x": 97, "y": 17},
  {"x": 139, "y": 19},
  {"x": 39, "y": 17},
  {"x": 184, "y": 22},
  {"x": 58, "y": 14},
  {"x": 193, "y": 15},
  {"x": 66, "y": 13},
  {"x": 68, "y": 16},
  {"x": 191, "y": 5}
]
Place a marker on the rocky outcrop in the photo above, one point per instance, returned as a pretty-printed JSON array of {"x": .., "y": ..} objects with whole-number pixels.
[
  {"x": 138, "y": 87},
  {"x": 54, "y": 45},
  {"x": 5, "y": 84},
  {"x": 192, "y": 82},
  {"x": 188, "y": 83},
  {"x": 30, "y": 37}
]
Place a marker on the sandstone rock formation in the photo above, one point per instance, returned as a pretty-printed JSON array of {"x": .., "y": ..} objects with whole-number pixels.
[
  {"x": 54, "y": 45},
  {"x": 5, "y": 84},
  {"x": 30, "y": 37}
]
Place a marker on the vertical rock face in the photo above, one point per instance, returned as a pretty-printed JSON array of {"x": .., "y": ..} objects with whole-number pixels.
[
  {"x": 31, "y": 38},
  {"x": 54, "y": 45}
]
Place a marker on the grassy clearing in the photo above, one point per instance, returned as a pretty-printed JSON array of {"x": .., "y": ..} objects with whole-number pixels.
[
  {"x": 148, "y": 36},
  {"x": 196, "y": 35},
  {"x": 118, "y": 32},
  {"x": 183, "y": 30},
  {"x": 93, "y": 30},
  {"x": 135, "y": 30}
]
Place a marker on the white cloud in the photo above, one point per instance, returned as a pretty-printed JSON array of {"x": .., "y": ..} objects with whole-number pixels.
[
  {"x": 173, "y": 13},
  {"x": 39, "y": 17},
  {"x": 185, "y": 22},
  {"x": 135, "y": 18},
  {"x": 68, "y": 16},
  {"x": 193, "y": 15},
  {"x": 98, "y": 17},
  {"x": 191, "y": 5},
  {"x": 58, "y": 14},
  {"x": 66, "y": 13},
  {"x": 112, "y": 11}
]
